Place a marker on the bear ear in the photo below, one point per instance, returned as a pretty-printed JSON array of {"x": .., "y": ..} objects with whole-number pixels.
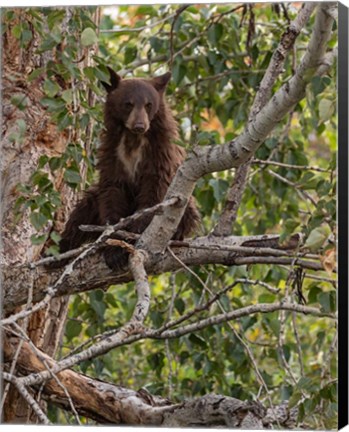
[
  {"x": 114, "y": 80},
  {"x": 161, "y": 81}
]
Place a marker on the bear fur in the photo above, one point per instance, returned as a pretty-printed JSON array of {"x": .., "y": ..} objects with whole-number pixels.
[{"x": 137, "y": 161}]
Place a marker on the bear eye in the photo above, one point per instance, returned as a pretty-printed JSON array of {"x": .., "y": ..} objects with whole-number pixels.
[
  {"x": 128, "y": 105},
  {"x": 148, "y": 106}
]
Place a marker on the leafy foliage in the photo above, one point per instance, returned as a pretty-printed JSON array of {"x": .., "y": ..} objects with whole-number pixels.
[{"x": 218, "y": 55}]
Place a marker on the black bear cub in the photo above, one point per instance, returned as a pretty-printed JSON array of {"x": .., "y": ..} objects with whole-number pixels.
[{"x": 136, "y": 162}]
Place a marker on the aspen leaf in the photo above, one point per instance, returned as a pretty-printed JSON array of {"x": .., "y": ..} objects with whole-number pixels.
[
  {"x": 317, "y": 238},
  {"x": 88, "y": 37},
  {"x": 326, "y": 109}
]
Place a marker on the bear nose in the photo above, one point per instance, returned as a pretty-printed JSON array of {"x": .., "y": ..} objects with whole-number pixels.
[{"x": 139, "y": 128}]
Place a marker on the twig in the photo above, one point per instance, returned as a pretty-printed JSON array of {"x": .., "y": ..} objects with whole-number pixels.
[
  {"x": 139, "y": 29},
  {"x": 284, "y": 165},
  {"x": 232, "y": 204},
  {"x": 298, "y": 343},
  {"x": 107, "y": 232},
  {"x": 113, "y": 342},
  {"x": 327, "y": 361},
  {"x": 294, "y": 185},
  {"x": 125, "y": 222},
  {"x": 178, "y": 12}
]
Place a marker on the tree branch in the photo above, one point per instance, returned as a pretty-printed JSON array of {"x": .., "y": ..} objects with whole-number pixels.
[
  {"x": 27, "y": 397},
  {"x": 115, "y": 340},
  {"x": 112, "y": 404},
  {"x": 203, "y": 250},
  {"x": 207, "y": 159}
]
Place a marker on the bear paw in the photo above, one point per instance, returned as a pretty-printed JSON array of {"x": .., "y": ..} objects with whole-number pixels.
[{"x": 116, "y": 258}]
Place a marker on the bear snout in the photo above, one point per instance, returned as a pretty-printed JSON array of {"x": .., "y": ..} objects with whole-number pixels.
[
  {"x": 139, "y": 128},
  {"x": 138, "y": 121}
]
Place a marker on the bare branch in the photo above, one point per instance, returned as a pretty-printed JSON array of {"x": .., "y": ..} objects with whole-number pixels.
[
  {"x": 125, "y": 222},
  {"x": 238, "y": 313},
  {"x": 130, "y": 337},
  {"x": 284, "y": 165}
]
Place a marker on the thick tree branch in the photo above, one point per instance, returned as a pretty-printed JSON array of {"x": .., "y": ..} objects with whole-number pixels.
[
  {"x": 111, "y": 404},
  {"x": 203, "y": 250}
]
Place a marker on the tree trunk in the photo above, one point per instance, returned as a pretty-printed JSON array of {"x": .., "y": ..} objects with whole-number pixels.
[{"x": 20, "y": 156}]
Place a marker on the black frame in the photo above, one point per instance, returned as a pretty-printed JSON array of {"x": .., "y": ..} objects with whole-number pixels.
[{"x": 343, "y": 215}]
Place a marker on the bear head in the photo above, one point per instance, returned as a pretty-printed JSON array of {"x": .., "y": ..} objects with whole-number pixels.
[{"x": 134, "y": 102}]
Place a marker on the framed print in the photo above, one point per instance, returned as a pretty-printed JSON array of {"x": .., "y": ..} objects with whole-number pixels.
[{"x": 174, "y": 215}]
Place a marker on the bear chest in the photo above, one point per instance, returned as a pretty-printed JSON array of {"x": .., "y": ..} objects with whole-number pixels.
[{"x": 130, "y": 154}]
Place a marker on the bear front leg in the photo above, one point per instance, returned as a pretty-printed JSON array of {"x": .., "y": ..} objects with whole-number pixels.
[
  {"x": 114, "y": 204},
  {"x": 85, "y": 213}
]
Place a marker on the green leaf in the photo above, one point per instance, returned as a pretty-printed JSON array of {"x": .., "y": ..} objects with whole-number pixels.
[
  {"x": 291, "y": 224},
  {"x": 73, "y": 329},
  {"x": 52, "y": 105},
  {"x": 308, "y": 384},
  {"x": 51, "y": 88},
  {"x": 294, "y": 399},
  {"x": 47, "y": 44},
  {"x": 110, "y": 299},
  {"x": 55, "y": 163},
  {"x": 326, "y": 109},
  {"x": 179, "y": 71},
  {"x": 37, "y": 240},
  {"x": 38, "y": 220},
  {"x": 266, "y": 298},
  {"x": 317, "y": 238},
  {"x": 67, "y": 95},
  {"x": 147, "y": 10},
  {"x": 198, "y": 340},
  {"x": 19, "y": 100},
  {"x": 215, "y": 33},
  {"x": 72, "y": 176},
  {"x": 328, "y": 301},
  {"x": 130, "y": 54},
  {"x": 220, "y": 188},
  {"x": 35, "y": 74},
  {"x": 319, "y": 84},
  {"x": 179, "y": 305},
  {"x": 17, "y": 31},
  {"x": 97, "y": 305},
  {"x": 313, "y": 294},
  {"x": 22, "y": 126},
  {"x": 55, "y": 237},
  {"x": 88, "y": 37}
]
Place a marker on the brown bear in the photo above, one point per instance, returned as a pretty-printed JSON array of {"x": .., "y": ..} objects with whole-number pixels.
[{"x": 136, "y": 162}]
